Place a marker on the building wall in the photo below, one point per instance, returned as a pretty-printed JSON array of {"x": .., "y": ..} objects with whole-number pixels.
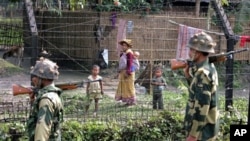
[{"x": 72, "y": 36}]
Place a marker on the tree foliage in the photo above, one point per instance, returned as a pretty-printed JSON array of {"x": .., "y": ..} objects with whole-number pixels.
[
  {"x": 242, "y": 17},
  {"x": 224, "y": 2}
]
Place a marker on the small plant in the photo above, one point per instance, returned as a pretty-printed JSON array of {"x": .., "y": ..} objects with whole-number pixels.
[
  {"x": 4, "y": 131},
  {"x": 230, "y": 117},
  {"x": 12, "y": 131},
  {"x": 72, "y": 130}
]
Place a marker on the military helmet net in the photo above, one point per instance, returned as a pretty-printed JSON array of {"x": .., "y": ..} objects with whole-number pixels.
[
  {"x": 202, "y": 42},
  {"x": 45, "y": 69}
]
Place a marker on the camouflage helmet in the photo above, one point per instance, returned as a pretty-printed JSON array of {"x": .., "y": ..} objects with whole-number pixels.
[
  {"x": 202, "y": 42},
  {"x": 45, "y": 69}
]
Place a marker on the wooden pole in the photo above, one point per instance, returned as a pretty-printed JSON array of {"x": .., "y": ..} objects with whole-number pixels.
[
  {"x": 100, "y": 2},
  {"x": 151, "y": 63},
  {"x": 248, "y": 115},
  {"x": 209, "y": 13},
  {"x": 197, "y": 8}
]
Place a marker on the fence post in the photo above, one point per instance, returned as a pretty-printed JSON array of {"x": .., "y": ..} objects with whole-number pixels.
[
  {"x": 248, "y": 115},
  {"x": 34, "y": 52},
  {"x": 231, "y": 41},
  {"x": 229, "y": 73},
  {"x": 33, "y": 30}
]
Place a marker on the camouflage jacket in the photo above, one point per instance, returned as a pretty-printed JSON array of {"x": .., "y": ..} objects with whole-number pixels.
[
  {"x": 201, "y": 118},
  {"x": 46, "y": 115}
]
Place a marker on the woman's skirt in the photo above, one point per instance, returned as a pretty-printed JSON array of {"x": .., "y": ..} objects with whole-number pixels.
[{"x": 126, "y": 89}]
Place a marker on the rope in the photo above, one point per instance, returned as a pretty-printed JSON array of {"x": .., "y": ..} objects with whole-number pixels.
[{"x": 212, "y": 32}]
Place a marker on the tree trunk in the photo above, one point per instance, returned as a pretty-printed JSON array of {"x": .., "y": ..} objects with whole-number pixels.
[
  {"x": 197, "y": 8},
  {"x": 100, "y": 2},
  {"x": 152, "y": 2},
  {"x": 59, "y": 4}
]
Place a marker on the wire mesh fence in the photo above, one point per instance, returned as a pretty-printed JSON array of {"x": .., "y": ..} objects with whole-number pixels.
[
  {"x": 109, "y": 110},
  {"x": 75, "y": 109},
  {"x": 75, "y": 40}
]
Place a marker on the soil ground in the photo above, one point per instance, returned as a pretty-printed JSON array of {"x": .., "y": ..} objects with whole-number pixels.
[{"x": 67, "y": 76}]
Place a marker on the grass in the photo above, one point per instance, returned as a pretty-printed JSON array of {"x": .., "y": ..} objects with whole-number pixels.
[
  {"x": 8, "y": 69},
  {"x": 10, "y": 20},
  {"x": 111, "y": 110}
]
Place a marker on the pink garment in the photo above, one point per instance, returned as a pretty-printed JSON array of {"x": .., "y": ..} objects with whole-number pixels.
[
  {"x": 129, "y": 62},
  {"x": 121, "y": 34},
  {"x": 185, "y": 33}
]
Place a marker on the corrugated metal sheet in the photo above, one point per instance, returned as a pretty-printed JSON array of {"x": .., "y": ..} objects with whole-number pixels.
[
  {"x": 230, "y": 1},
  {"x": 191, "y": 1}
]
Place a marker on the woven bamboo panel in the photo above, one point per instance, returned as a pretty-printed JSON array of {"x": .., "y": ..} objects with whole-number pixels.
[{"x": 153, "y": 36}]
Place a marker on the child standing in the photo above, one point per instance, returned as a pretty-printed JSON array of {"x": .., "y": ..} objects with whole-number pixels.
[
  {"x": 158, "y": 83},
  {"x": 94, "y": 88}
]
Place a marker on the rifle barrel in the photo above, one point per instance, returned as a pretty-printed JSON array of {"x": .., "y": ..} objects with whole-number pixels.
[
  {"x": 230, "y": 52},
  {"x": 73, "y": 85},
  {"x": 237, "y": 51}
]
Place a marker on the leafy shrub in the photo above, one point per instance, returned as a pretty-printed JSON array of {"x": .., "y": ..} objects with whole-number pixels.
[
  {"x": 10, "y": 131},
  {"x": 161, "y": 128},
  {"x": 165, "y": 125},
  {"x": 72, "y": 130}
]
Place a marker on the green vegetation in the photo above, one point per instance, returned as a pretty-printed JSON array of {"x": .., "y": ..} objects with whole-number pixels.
[
  {"x": 8, "y": 69},
  {"x": 11, "y": 131},
  {"x": 11, "y": 32},
  {"x": 11, "y": 20},
  {"x": 176, "y": 78},
  {"x": 242, "y": 17},
  {"x": 140, "y": 122},
  {"x": 137, "y": 123}
]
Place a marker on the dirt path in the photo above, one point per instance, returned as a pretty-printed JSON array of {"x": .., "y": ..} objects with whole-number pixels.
[{"x": 66, "y": 76}]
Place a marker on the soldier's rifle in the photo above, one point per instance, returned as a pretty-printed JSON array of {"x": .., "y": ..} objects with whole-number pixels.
[
  {"x": 20, "y": 90},
  {"x": 178, "y": 64}
]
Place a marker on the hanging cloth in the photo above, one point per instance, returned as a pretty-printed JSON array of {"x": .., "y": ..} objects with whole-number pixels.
[
  {"x": 243, "y": 40},
  {"x": 185, "y": 33}
]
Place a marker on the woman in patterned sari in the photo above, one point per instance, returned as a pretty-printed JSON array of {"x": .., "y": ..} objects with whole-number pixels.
[{"x": 126, "y": 90}]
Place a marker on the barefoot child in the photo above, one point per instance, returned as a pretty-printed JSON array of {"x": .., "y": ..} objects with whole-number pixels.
[
  {"x": 158, "y": 83},
  {"x": 94, "y": 89}
]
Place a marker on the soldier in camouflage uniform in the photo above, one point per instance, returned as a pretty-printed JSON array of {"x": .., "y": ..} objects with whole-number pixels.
[
  {"x": 46, "y": 115},
  {"x": 202, "y": 116}
]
